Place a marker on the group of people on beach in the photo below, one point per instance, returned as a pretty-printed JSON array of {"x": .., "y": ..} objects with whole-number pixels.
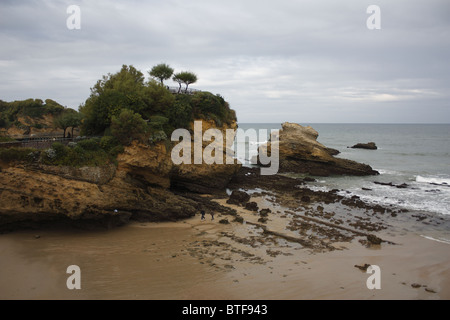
[{"x": 203, "y": 215}]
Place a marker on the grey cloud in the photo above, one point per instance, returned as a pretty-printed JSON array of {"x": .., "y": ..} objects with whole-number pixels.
[{"x": 290, "y": 60}]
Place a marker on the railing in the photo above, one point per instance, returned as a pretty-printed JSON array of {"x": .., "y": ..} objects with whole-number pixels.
[
  {"x": 177, "y": 90},
  {"x": 41, "y": 142}
]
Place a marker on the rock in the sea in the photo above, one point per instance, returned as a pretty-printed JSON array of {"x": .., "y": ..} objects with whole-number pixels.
[
  {"x": 300, "y": 152},
  {"x": 369, "y": 146}
]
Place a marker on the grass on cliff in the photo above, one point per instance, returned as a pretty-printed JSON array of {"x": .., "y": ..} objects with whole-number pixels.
[
  {"x": 86, "y": 153},
  {"x": 10, "y": 155}
]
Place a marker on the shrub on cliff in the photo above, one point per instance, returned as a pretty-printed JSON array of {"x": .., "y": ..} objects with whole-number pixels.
[
  {"x": 180, "y": 112},
  {"x": 84, "y": 153},
  {"x": 107, "y": 143},
  {"x": 90, "y": 144},
  {"x": 128, "y": 126},
  {"x": 16, "y": 154},
  {"x": 206, "y": 104},
  {"x": 33, "y": 108}
]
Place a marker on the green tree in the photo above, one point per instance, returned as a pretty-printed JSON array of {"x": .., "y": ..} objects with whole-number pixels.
[
  {"x": 76, "y": 121},
  {"x": 69, "y": 118},
  {"x": 162, "y": 72},
  {"x": 179, "y": 80},
  {"x": 111, "y": 94},
  {"x": 185, "y": 77},
  {"x": 157, "y": 100},
  {"x": 128, "y": 126}
]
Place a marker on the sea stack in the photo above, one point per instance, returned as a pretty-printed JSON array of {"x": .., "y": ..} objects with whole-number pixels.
[{"x": 300, "y": 152}]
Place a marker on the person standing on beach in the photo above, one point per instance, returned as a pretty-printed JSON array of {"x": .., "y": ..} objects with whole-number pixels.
[
  {"x": 203, "y": 214},
  {"x": 212, "y": 215}
]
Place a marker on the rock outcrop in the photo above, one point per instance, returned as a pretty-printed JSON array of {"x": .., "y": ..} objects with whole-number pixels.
[
  {"x": 300, "y": 152},
  {"x": 205, "y": 178},
  {"x": 139, "y": 188},
  {"x": 368, "y": 146}
]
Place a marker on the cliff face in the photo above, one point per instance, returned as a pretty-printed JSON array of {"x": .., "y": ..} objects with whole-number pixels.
[
  {"x": 138, "y": 188},
  {"x": 300, "y": 152},
  {"x": 204, "y": 177}
]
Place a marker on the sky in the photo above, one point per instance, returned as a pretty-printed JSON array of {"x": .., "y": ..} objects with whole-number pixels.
[{"x": 273, "y": 61}]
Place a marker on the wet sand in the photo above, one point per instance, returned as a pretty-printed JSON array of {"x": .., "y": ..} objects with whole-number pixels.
[{"x": 209, "y": 260}]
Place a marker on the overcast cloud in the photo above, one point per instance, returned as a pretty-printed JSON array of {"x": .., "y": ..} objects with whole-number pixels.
[{"x": 273, "y": 61}]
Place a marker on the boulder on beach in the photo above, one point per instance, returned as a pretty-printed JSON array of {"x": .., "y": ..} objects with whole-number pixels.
[
  {"x": 368, "y": 146},
  {"x": 238, "y": 198},
  {"x": 300, "y": 152},
  {"x": 252, "y": 206}
]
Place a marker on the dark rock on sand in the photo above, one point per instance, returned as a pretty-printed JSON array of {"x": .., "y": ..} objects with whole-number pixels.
[
  {"x": 374, "y": 239},
  {"x": 238, "y": 198},
  {"x": 252, "y": 206},
  {"x": 264, "y": 212},
  {"x": 238, "y": 219},
  {"x": 306, "y": 199},
  {"x": 368, "y": 146},
  {"x": 262, "y": 220},
  {"x": 363, "y": 268}
]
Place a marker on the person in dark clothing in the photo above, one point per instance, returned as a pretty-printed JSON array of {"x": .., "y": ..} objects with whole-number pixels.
[
  {"x": 203, "y": 214},
  {"x": 212, "y": 215}
]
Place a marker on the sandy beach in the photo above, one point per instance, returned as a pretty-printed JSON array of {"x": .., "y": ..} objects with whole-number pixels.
[{"x": 210, "y": 260}]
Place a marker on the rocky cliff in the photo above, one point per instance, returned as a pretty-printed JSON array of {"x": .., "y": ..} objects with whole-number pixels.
[
  {"x": 300, "y": 152},
  {"x": 139, "y": 187}
]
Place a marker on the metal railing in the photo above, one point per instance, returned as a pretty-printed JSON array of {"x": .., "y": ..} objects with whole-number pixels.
[
  {"x": 40, "y": 142},
  {"x": 177, "y": 90}
]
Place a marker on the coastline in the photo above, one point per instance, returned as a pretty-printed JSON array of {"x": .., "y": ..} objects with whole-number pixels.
[{"x": 208, "y": 260}]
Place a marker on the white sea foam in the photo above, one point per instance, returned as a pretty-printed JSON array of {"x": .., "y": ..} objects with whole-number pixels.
[
  {"x": 433, "y": 180},
  {"x": 385, "y": 171}
]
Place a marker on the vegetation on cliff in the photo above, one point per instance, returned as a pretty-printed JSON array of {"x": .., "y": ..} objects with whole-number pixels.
[
  {"x": 11, "y": 113},
  {"x": 85, "y": 153},
  {"x": 150, "y": 101},
  {"x": 122, "y": 107}
]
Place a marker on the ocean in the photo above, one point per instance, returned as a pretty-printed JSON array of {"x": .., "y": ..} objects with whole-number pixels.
[{"x": 417, "y": 155}]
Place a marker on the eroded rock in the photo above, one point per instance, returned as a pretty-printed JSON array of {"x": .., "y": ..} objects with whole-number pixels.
[{"x": 300, "y": 152}]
